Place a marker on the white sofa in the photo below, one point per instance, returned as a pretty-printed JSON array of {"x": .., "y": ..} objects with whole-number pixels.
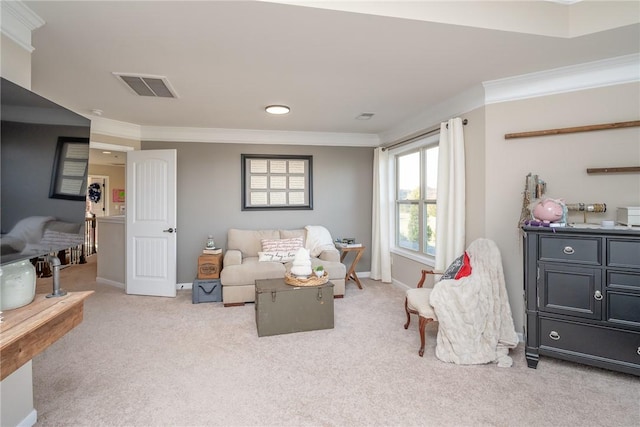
[
  {"x": 241, "y": 266},
  {"x": 36, "y": 235}
]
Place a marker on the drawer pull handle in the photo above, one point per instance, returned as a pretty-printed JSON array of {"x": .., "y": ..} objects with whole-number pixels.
[
  {"x": 598, "y": 296},
  {"x": 556, "y": 336},
  {"x": 638, "y": 351},
  {"x": 568, "y": 250}
]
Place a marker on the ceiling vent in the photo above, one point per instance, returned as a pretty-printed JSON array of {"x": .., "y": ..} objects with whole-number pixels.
[
  {"x": 147, "y": 85},
  {"x": 365, "y": 116}
]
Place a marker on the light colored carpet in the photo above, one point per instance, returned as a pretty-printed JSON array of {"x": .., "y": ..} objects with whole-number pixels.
[{"x": 148, "y": 361}]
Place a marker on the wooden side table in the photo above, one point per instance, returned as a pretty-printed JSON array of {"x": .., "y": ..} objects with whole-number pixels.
[
  {"x": 351, "y": 272},
  {"x": 27, "y": 331}
]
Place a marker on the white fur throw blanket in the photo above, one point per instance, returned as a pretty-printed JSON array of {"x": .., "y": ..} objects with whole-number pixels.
[{"x": 476, "y": 325}]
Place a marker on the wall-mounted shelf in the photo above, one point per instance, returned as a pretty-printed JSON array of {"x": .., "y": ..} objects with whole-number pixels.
[
  {"x": 628, "y": 169},
  {"x": 560, "y": 131}
]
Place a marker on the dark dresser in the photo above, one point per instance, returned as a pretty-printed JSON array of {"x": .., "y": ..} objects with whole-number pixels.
[{"x": 582, "y": 296}]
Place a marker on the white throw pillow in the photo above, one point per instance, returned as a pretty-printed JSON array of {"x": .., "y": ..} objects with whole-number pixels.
[
  {"x": 318, "y": 240},
  {"x": 276, "y": 256},
  {"x": 272, "y": 245},
  {"x": 30, "y": 229}
]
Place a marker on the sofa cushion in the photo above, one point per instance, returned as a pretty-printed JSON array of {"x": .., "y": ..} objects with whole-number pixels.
[
  {"x": 249, "y": 241},
  {"x": 273, "y": 245},
  {"x": 299, "y": 232},
  {"x": 251, "y": 270},
  {"x": 64, "y": 227}
]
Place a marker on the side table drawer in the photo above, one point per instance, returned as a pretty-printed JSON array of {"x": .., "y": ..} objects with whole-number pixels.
[
  {"x": 585, "y": 250},
  {"x": 590, "y": 341}
]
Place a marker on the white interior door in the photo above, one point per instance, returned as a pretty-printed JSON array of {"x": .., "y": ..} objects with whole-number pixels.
[{"x": 151, "y": 223}]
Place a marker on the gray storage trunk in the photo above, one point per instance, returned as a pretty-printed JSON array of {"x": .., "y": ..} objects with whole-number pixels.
[
  {"x": 283, "y": 309},
  {"x": 206, "y": 290}
]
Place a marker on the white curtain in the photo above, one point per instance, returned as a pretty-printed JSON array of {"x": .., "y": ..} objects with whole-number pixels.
[
  {"x": 380, "y": 238},
  {"x": 450, "y": 223}
]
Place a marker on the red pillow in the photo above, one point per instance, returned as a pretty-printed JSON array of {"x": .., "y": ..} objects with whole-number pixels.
[{"x": 459, "y": 268}]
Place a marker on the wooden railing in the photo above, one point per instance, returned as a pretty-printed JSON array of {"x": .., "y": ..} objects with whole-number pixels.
[
  {"x": 89, "y": 248},
  {"x": 74, "y": 255}
]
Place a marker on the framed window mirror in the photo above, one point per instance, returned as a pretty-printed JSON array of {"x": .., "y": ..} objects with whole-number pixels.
[{"x": 70, "y": 167}]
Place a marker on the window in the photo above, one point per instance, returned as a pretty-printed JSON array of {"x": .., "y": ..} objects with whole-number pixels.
[{"x": 416, "y": 189}]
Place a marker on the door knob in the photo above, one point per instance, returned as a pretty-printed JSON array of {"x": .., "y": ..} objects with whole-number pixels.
[{"x": 169, "y": 230}]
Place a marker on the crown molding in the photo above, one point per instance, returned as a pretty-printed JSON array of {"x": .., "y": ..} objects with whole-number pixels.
[
  {"x": 608, "y": 72},
  {"x": 18, "y": 21},
  {"x": 590, "y": 75},
  {"x": 115, "y": 128},
  {"x": 249, "y": 136},
  {"x": 109, "y": 147}
]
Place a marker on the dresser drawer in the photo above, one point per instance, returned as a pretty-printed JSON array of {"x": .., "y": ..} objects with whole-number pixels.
[
  {"x": 590, "y": 341},
  {"x": 623, "y": 308},
  {"x": 580, "y": 250},
  {"x": 623, "y": 253},
  {"x": 623, "y": 280}
]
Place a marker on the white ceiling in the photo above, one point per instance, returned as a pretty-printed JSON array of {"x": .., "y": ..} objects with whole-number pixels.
[{"x": 228, "y": 60}]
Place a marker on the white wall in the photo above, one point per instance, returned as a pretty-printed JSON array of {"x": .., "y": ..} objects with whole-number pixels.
[
  {"x": 496, "y": 168},
  {"x": 560, "y": 160},
  {"x": 15, "y": 62},
  {"x": 16, "y": 391}
]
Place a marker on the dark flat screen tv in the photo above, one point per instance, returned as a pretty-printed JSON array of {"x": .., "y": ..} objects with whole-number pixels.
[{"x": 44, "y": 154}]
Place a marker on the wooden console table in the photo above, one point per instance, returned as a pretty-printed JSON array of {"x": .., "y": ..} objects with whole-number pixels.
[
  {"x": 351, "y": 272},
  {"x": 27, "y": 331}
]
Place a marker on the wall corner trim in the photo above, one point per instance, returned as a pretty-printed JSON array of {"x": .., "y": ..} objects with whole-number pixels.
[
  {"x": 18, "y": 21},
  {"x": 590, "y": 75}
]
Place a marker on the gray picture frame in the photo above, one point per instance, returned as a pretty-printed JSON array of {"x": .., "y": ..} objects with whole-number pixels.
[
  {"x": 70, "y": 169},
  {"x": 276, "y": 182}
]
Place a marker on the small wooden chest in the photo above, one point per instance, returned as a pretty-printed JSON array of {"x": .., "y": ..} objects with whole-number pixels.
[{"x": 209, "y": 266}]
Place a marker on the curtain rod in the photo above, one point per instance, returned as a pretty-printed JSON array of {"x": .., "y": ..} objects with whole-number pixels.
[{"x": 416, "y": 137}]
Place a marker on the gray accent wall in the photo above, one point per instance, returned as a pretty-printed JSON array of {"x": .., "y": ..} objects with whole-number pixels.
[
  {"x": 209, "y": 195},
  {"x": 28, "y": 153}
]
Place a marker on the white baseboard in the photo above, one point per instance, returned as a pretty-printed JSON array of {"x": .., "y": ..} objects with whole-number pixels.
[
  {"x": 184, "y": 286},
  {"x": 400, "y": 284},
  {"x": 110, "y": 282}
]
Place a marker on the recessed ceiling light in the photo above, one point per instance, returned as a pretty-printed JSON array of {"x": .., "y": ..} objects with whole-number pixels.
[
  {"x": 106, "y": 152},
  {"x": 277, "y": 109}
]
